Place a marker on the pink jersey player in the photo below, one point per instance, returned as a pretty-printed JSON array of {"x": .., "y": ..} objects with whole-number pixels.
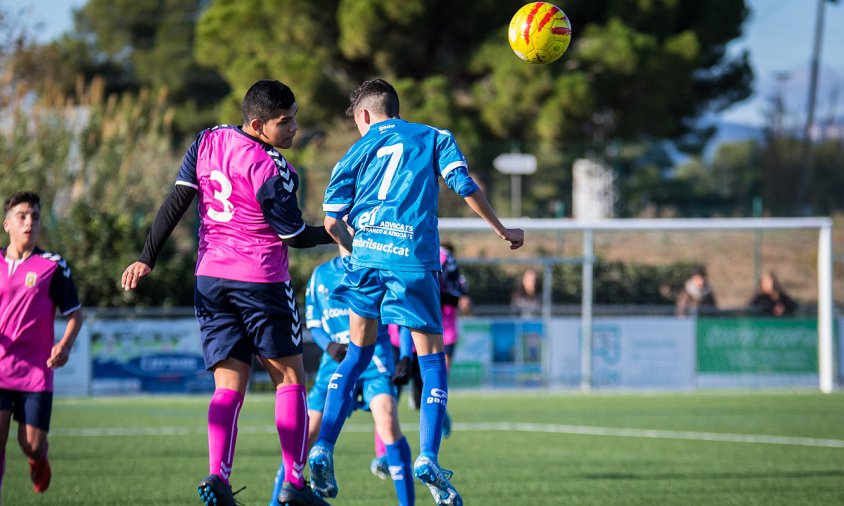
[{"x": 32, "y": 290}]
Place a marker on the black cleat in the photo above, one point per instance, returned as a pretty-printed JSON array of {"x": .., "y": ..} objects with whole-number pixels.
[
  {"x": 213, "y": 491},
  {"x": 292, "y": 496}
]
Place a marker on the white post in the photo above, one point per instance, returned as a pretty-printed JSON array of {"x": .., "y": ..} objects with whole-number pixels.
[
  {"x": 826, "y": 371},
  {"x": 586, "y": 318}
]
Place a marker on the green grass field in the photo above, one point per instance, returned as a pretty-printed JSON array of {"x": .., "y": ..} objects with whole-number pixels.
[{"x": 526, "y": 448}]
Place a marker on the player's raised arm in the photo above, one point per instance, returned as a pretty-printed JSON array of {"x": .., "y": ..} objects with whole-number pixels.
[
  {"x": 478, "y": 202},
  {"x": 168, "y": 216}
]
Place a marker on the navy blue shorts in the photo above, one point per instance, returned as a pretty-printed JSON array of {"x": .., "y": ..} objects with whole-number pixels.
[
  {"x": 29, "y": 408},
  {"x": 239, "y": 319}
]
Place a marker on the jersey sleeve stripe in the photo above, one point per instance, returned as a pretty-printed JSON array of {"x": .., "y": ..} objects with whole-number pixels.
[
  {"x": 450, "y": 167},
  {"x": 78, "y": 306},
  {"x": 294, "y": 234},
  {"x": 334, "y": 207},
  {"x": 185, "y": 183}
]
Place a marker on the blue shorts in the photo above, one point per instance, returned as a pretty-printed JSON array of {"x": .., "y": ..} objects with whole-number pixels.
[
  {"x": 375, "y": 380},
  {"x": 28, "y": 408},
  {"x": 239, "y": 319},
  {"x": 407, "y": 298}
]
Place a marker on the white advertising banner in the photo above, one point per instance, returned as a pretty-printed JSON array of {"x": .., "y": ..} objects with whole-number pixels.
[
  {"x": 626, "y": 352},
  {"x": 74, "y": 378}
]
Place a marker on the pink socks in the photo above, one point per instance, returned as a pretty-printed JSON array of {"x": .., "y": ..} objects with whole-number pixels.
[
  {"x": 222, "y": 431},
  {"x": 291, "y": 420}
]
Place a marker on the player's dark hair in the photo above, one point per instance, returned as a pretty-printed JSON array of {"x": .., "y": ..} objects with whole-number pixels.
[
  {"x": 267, "y": 99},
  {"x": 377, "y": 95},
  {"x": 30, "y": 198}
]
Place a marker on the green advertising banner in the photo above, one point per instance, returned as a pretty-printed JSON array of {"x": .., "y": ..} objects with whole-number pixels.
[{"x": 757, "y": 345}]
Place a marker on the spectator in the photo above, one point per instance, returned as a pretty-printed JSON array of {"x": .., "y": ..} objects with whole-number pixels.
[
  {"x": 771, "y": 299},
  {"x": 526, "y": 299},
  {"x": 697, "y": 295}
]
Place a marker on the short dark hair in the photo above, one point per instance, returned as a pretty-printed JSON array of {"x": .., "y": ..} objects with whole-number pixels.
[
  {"x": 375, "y": 94},
  {"x": 267, "y": 99},
  {"x": 30, "y": 198}
]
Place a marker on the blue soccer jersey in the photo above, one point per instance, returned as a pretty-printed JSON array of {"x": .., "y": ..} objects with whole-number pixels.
[
  {"x": 388, "y": 185},
  {"x": 327, "y": 315}
]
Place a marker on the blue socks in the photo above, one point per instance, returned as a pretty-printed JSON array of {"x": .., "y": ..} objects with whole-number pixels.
[
  {"x": 433, "y": 403},
  {"x": 398, "y": 458},
  {"x": 338, "y": 400}
]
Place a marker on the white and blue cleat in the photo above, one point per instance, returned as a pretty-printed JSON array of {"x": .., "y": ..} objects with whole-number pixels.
[
  {"x": 321, "y": 462},
  {"x": 426, "y": 470},
  {"x": 379, "y": 467}
]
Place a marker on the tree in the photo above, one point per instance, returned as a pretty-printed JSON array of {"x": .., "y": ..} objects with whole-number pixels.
[
  {"x": 131, "y": 45},
  {"x": 636, "y": 71}
]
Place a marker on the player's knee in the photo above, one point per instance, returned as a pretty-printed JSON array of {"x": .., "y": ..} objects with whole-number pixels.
[{"x": 34, "y": 447}]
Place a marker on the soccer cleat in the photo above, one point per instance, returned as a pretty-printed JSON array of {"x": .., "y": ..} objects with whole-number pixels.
[
  {"x": 321, "y": 462},
  {"x": 446, "y": 425},
  {"x": 430, "y": 473},
  {"x": 379, "y": 467},
  {"x": 292, "y": 496},
  {"x": 404, "y": 370},
  {"x": 40, "y": 474},
  {"x": 213, "y": 491}
]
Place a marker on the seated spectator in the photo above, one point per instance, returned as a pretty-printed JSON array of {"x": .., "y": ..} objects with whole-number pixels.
[
  {"x": 697, "y": 295},
  {"x": 770, "y": 298},
  {"x": 526, "y": 299}
]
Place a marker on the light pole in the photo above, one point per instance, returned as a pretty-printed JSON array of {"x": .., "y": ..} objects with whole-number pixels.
[{"x": 515, "y": 164}]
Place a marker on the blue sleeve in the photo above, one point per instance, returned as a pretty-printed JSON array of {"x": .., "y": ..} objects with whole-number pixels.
[
  {"x": 187, "y": 171},
  {"x": 452, "y": 165},
  {"x": 340, "y": 191},
  {"x": 63, "y": 289},
  {"x": 280, "y": 206},
  {"x": 313, "y": 311},
  {"x": 320, "y": 337},
  {"x": 461, "y": 182}
]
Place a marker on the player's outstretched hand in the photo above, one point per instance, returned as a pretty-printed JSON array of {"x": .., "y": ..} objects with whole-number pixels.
[
  {"x": 515, "y": 236},
  {"x": 58, "y": 356},
  {"x": 132, "y": 274}
]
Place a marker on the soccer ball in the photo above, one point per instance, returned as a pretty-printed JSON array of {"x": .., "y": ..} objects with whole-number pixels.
[{"x": 539, "y": 32}]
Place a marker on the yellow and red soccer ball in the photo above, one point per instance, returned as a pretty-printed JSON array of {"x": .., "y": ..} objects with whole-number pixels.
[{"x": 539, "y": 32}]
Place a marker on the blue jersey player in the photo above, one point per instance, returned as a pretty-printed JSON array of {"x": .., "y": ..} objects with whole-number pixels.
[
  {"x": 328, "y": 322},
  {"x": 387, "y": 185}
]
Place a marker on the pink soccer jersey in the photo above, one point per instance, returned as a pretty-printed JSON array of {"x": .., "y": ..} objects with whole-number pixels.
[
  {"x": 30, "y": 292},
  {"x": 247, "y": 205}
]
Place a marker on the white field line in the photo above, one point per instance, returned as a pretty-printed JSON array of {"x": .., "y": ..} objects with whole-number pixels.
[{"x": 580, "y": 430}]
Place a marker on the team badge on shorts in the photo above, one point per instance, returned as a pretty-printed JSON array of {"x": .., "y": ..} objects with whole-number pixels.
[{"x": 31, "y": 278}]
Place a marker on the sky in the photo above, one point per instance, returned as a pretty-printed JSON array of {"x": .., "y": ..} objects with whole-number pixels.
[{"x": 779, "y": 36}]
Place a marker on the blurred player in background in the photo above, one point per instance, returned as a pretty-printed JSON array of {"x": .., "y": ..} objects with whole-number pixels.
[
  {"x": 388, "y": 184},
  {"x": 243, "y": 298},
  {"x": 329, "y": 324},
  {"x": 33, "y": 283}
]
